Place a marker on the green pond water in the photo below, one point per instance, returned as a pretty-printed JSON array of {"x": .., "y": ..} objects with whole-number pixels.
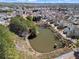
[{"x": 45, "y": 41}]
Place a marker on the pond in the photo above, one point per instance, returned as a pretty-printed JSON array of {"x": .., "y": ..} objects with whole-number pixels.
[{"x": 45, "y": 41}]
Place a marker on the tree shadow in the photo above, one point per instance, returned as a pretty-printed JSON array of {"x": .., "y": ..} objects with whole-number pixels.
[{"x": 32, "y": 36}]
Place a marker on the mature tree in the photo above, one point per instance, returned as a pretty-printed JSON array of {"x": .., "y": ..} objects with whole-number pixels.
[
  {"x": 18, "y": 25},
  {"x": 22, "y": 27},
  {"x": 30, "y": 18}
]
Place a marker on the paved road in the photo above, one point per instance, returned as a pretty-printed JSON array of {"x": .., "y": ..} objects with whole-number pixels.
[{"x": 69, "y": 55}]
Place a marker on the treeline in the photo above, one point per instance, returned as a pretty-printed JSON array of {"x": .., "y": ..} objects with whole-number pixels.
[{"x": 23, "y": 27}]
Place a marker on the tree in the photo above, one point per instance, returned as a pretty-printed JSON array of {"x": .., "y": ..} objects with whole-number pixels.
[
  {"x": 18, "y": 25},
  {"x": 7, "y": 45},
  {"x": 32, "y": 33},
  {"x": 30, "y": 18}
]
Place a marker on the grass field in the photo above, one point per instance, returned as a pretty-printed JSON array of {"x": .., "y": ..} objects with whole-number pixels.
[{"x": 45, "y": 41}]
